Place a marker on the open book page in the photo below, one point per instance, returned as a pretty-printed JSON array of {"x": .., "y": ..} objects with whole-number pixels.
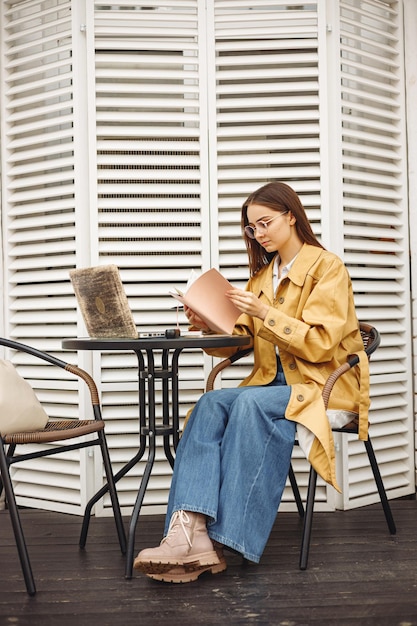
[
  {"x": 193, "y": 277},
  {"x": 205, "y": 295}
]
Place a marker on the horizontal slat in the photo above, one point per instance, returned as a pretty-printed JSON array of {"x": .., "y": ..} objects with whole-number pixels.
[
  {"x": 41, "y": 127},
  {"x": 64, "y": 175},
  {"x": 28, "y": 78},
  {"x": 142, "y": 29},
  {"x": 270, "y": 173},
  {"x": 380, "y": 238},
  {"x": 240, "y": 6},
  {"x": 109, "y": 47},
  {"x": 372, "y": 126},
  {"x": 174, "y": 62},
  {"x": 270, "y": 133},
  {"x": 373, "y": 246},
  {"x": 32, "y": 264},
  {"x": 305, "y": 61},
  {"x": 380, "y": 29},
  {"x": 48, "y": 110},
  {"x": 23, "y": 89},
  {"x": 373, "y": 192},
  {"x": 372, "y": 212},
  {"x": 142, "y": 130},
  {"x": 38, "y": 221},
  {"x": 181, "y": 219},
  {"x": 369, "y": 110},
  {"x": 63, "y": 134},
  {"x": 381, "y": 170},
  {"x": 361, "y": 91},
  {"x": 42, "y": 194},
  {"x": 274, "y": 45},
  {"x": 178, "y": 173}
]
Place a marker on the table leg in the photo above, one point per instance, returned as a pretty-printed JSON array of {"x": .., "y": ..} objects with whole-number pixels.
[
  {"x": 135, "y": 513},
  {"x": 151, "y": 431},
  {"x": 133, "y": 461},
  {"x": 169, "y": 428}
]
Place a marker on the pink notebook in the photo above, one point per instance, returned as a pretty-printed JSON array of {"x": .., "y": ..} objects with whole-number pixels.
[{"x": 206, "y": 297}]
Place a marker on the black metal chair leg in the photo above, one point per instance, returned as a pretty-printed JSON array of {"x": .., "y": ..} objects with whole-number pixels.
[
  {"x": 296, "y": 492},
  {"x": 16, "y": 524},
  {"x": 9, "y": 454},
  {"x": 113, "y": 493},
  {"x": 380, "y": 485},
  {"x": 308, "y": 519}
]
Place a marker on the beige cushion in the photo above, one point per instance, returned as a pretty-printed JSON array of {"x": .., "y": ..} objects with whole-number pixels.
[{"x": 20, "y": 409}]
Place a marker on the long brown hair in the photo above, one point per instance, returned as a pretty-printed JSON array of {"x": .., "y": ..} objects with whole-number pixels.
[{"x": 278, "y": 197}]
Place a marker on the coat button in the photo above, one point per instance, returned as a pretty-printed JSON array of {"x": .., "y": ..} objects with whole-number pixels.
[
  {"x": 287, "y": 330},
  {"x": 271, "y": 322},
  {"x": 300, "y": 397},
  {"x": 293, "y": 366},
  {"x": 281, "y": 300}
]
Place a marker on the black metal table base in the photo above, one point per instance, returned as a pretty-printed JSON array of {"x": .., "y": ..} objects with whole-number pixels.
[{"x": 149, "y": 431}]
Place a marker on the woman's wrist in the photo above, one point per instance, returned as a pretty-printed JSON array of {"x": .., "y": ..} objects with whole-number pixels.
[{"x": 264, "y": 312}]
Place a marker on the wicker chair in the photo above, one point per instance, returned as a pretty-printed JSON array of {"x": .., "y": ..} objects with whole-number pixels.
[
  {"x": 55, "y": 431},
  {"x": 371, "y": 340}
]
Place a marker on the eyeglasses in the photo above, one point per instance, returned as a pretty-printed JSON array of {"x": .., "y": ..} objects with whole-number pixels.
[{"x": 261, "y": 227}]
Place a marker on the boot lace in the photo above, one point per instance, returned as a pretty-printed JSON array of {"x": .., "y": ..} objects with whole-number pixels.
[{"x": 178, "y": 520}]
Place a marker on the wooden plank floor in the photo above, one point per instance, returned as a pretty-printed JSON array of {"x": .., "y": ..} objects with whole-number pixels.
[{"x": 358, "y": 574}]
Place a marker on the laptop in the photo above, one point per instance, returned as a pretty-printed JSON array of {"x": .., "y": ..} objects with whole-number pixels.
[{"x": 104, "y": 306}]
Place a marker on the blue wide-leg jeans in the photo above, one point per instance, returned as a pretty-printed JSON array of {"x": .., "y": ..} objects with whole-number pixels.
[{"x": 232, "y": 463}]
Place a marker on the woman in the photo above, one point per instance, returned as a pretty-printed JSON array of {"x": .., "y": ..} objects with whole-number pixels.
[{"x": 234, "y": 455}]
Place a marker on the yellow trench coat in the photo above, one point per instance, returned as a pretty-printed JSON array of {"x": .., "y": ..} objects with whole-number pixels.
[{"x": 313, "y": 322}]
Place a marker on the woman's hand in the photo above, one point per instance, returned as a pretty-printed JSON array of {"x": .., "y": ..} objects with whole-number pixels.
[
  {"x": 248, "y": 303},
  {"x": 194, "y": 319}
]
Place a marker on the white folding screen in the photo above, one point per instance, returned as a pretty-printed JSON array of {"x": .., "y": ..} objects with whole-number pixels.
[{"x": 131, "y": 134}]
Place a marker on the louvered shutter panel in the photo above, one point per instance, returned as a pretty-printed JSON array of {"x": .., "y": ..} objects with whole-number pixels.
[
  {"x": 151, "y": 190},
  {"x": 267, "y": 127},
  {"x": 38, "y": 178},
  {"x": 376, "y": 238}
]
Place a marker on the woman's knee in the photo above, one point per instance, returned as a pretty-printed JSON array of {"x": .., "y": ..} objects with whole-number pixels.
[
  {"x": 209, "y": 411},
  {"x": 262, "y": 401}
]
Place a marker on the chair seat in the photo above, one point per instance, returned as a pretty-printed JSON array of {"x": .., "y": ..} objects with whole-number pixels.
[
  {"x": 340, "y": 421},
  {"x": 56, "y": 431}
]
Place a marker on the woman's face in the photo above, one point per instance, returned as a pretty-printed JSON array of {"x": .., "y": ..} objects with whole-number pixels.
[{"x": 273, "y": 230}]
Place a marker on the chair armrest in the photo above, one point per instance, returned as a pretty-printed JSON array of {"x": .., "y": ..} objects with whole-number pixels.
[
  {"x": 74, "y": 369},
  {"x": 371, "y": 339},
  {"x": 222, "y": 365},
  {"x": 330, "y": 382}
]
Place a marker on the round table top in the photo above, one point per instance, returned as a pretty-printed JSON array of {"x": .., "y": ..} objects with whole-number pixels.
[{"x": 189, "y": 340}]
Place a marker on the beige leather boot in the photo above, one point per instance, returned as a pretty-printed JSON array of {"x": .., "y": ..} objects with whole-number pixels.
[
  {"x": 188, "y": 573},
  {"x": 186, "y": 543}
]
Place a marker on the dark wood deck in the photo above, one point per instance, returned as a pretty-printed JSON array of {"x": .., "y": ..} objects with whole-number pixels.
[{"x": 358, "y": 574}]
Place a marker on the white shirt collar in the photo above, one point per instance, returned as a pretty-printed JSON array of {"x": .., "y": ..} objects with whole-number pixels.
[{"x": 284, "y": 271}]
